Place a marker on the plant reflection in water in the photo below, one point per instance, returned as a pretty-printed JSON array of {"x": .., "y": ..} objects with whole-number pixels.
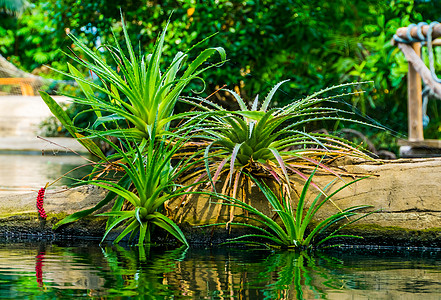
[
  {"x": 301, "y": 275},
  {"x": 211, "y": 273},
  {"x": 48, "y": 271}
]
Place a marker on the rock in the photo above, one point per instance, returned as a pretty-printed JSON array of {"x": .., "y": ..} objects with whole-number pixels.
[
  {"x": 19, "y": 217},
  {"x": 406, "y": 192}
]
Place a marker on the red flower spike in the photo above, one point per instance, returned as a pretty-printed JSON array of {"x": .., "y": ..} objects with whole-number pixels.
[{"x": 40, "y": 208}]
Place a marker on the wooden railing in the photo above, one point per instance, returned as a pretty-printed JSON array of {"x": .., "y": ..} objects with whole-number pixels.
[
  {"x": 417, "y": 72},
  {"x": 24, "y": 83}
]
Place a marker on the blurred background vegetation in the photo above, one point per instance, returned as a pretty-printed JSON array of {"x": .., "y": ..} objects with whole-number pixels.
[{"x": 314, "y": 43}]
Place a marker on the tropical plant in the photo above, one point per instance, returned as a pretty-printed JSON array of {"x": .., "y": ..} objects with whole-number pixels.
[
  {"x": 144, "y": 97},
  {"x": 298, "y": 229},
  {"x": 148, "y": 180},
  {"x": 270, "y": 142},
  {"x": 137, "y": 90},
  {"x": 250, "y": 141},
  {"x": 133, "y": 89},
  {"x": 349, "y": 43}
]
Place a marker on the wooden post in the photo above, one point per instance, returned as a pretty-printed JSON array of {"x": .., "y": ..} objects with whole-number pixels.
[{"x": 415, "y": 101}]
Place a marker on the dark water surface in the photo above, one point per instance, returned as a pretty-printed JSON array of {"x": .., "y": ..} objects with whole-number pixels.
[{"x": 89, "y": 271}]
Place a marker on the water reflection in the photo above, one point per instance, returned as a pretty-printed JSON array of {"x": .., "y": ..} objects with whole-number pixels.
[
  {"x": 50, "y": 271},
  {"x": 299, "y": 275},
  {"x": 24, "y": 173}
]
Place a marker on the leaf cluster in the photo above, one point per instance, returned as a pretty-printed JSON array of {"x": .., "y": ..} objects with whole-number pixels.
[
  {"x": 296, "y": 229},
  {"x": 262, "y": 138},
  {"x": 137, "y": 90}
]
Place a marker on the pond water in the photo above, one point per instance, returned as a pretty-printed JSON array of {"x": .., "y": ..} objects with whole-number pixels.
[
  {"x": 23, "y": 173},
  {"x": 53, "y": 271}
]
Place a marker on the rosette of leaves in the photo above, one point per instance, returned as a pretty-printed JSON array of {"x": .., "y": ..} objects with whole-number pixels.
[
  {"x": 271, "y": 142},
  {"x": 294, "y": 227},
  {"x": 148, "y": 179},
  {"x": 136, "y": 90}
]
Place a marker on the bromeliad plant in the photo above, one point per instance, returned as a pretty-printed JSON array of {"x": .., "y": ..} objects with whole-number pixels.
[
  {"x": 296, "y": 229},
  {"x": 148, "y": 181},
  {"x": 142, "y": 94},
  {"x": 137, "y": 90},
  {"x": 270, "y": 142}
]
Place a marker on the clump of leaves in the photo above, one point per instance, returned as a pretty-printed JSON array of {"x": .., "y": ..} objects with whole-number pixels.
[
  {"x": 136, "y": 89},
  {"x": 296, "y": 230},
  {"x": 148, "y": 181},
  {"x": 271, "y": 142}
]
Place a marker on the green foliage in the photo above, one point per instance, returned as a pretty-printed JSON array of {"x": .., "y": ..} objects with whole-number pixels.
[
  {"x": 29, "y": 40},
  {"x": 379, "y": 61},
  {"x": 273, "y": 140},
  {"x": 148, "y": 181},
  {"x": 297, "y": 229},
  {"x": 153, "y": 179},
  {"x": 382, "y": 63},
  {"x": 316, "y": 43},
  {"x": 13, "y": 6},
  {"x": 138, "y": 91}
]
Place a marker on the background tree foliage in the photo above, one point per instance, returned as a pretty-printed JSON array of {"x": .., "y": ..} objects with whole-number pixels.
[{"x": 314, "y": 43}]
